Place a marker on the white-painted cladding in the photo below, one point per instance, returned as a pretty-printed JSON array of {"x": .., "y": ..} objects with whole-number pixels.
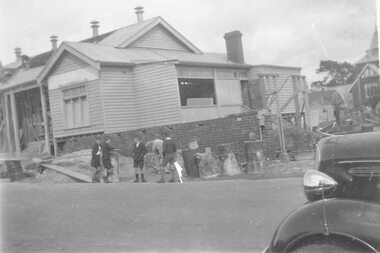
[
  {"x": 157, "y": 99},
  {"x": 119, "y": 99},
  {"x": 67, "y": 62},
  {"x": 231, "y": 73},
  {"x": 284, "y": 80},
  {"x": 159, "y": 38},
  {"x": 95, "y": 110},
  {"x": 195, "y": 72}
]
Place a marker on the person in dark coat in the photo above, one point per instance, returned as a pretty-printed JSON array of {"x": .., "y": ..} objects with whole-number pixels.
[
  {"x": 95, "y": 160},
  {"x": 138, "y": 153},
  {"x": 106, "y": 159},
  {"x": 169, "y": 151}
]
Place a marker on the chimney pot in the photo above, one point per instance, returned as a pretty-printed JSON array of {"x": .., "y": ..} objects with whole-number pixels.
[
  {"x": 139, "y": 12},
  {"x": 95, "y": 26},
  {"x": 234, "y": 46},
  {"x": 18, "y": 54},
  {"x": 54, "y": 40}
]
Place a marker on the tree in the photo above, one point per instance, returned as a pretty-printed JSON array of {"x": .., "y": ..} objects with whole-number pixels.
[{"x": 336, "y": 73}]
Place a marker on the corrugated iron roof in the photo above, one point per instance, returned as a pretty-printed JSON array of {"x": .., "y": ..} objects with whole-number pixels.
[
  {"x": 40, "y": 59},
  {"x": 22, "y": 76},
  {"x": 122, "y": 34},
  {"x": 107, "y": 54},
  {"x": 98, "y": 38}
]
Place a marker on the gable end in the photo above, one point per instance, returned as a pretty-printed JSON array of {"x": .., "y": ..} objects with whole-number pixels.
[{"x": 159, "y": 38}]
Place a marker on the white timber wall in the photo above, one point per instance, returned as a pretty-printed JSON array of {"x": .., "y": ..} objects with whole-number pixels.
[
  {"x": 284, "y": 80},
  {"x": 157, "y": 95},
  {"x": 66, "y": 66},
  {"x": 159, "y": 38},
  {"x": 95, "y": 111},
  {"x": 118, "y": 99}
]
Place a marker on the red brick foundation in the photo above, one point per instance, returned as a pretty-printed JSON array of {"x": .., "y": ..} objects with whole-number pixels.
[{"x": 233, "y": 129}]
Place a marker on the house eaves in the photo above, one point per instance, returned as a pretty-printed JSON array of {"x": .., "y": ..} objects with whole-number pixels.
[
  {"x": 65, "y": 47},
  {"x": 215, "y": 64},
  {"x": 369, "y": 65}
]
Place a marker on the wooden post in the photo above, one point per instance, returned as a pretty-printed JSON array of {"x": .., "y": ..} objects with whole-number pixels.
[
  {"x": 8, "y": 123},
  {"x": 279, "y": 118},
  {"x": 305, "y": 93},
  {"x": 15, "y": 123},
  {"x": 45, "y": 118},
  {"x": 295, "y": 80},
  {"x": 262, "y": 88},
  {"x": 55, "y": 146},
  {"x": 216, "y": 93}
]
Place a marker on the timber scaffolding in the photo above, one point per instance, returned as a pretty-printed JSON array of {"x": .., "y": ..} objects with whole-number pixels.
[{"x": 271, "y": 93}]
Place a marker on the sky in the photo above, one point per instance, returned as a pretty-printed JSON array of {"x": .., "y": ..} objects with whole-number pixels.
[{"x": 297, "y": 33}]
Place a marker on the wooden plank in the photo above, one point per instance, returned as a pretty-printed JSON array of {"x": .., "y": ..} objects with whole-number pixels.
[
  {"x": 8, "y": 123},
  {"x": 288, "y": 101},
  {"x": 72, "y": 174},
  {"x": 15, "y": 123},
  {"x": 45, "y": 119},
  {"x": 295, "y": 81}
]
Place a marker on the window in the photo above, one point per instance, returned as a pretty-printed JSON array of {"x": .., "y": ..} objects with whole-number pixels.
[
  {"x": 76, "y": 111},
  {"x": 196, "y": 91}
]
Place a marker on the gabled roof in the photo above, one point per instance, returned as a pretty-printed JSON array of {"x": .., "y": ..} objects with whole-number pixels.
[
  {"x": 98, "y": 38},
  {"x": 372, "y": 53},
  {"x": 22, "y": 76},
  {"x": 123, "y": 37},
  {"x": 326, "y": 97},
  {"x": 374, "y": 67},
  {"x": 96, "y": 55},
  {"x": 40, "y": 59}
]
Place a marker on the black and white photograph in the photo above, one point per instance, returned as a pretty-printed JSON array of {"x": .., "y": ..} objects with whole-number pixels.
[{"x": 189, "y": 126}]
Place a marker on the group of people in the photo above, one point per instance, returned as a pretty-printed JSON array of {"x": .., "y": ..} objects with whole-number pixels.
[
  {"x": 164, "y": 153},
  {"x": 101, "y": 153}
]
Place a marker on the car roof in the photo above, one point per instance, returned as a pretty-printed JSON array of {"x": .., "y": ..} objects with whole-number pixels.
[{"x": 351, "y": 146}]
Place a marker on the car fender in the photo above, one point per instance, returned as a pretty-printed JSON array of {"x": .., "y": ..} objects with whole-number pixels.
[{"x": 356, "y": 220}]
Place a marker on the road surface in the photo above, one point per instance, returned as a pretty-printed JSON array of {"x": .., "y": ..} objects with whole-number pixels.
[{"x": 228, "y": 216}]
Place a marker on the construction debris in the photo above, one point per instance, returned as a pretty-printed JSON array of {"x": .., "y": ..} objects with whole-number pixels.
[{"x": 70, "y": 173}]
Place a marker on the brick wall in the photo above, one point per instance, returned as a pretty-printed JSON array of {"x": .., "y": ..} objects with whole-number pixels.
[{"x": 210, "y": 133}]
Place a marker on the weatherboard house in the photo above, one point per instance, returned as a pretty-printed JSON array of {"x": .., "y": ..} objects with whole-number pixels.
[
  {"x": 143, "y": 75},
  {"x": 365, "y": 81}
]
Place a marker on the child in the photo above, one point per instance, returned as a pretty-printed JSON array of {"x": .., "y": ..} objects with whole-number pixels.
[
  {"x": 139, "y": 151},
  {"x": 95, "y": 160}
]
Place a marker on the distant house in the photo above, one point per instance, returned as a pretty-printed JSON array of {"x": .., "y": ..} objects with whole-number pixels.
[
  {"x": 322, "y": 106},
  {"x": 143, "y": 75},
  {"x": 365, "y": 82}
]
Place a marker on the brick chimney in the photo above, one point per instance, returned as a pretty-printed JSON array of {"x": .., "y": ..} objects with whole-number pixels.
[
  {"x": 95, "y": 26},
  {"x": 234, "y": 46},
  {"x": 18, "y": 55},
  {"x": 139, "y": 12},
  {"x": 54, "y": 40}
]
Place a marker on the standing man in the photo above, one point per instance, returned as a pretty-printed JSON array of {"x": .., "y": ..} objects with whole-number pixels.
[
  {"x": 156, "y": 145},
  {"x": 169, "y": 153},
  {"x": 107, "y": 149},
  {"x": 95, "y": 160},
  {"x": 138, "y": 153}
]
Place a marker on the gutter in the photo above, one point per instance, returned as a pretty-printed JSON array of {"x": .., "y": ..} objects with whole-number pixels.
[{"x": 211, "y": 64}]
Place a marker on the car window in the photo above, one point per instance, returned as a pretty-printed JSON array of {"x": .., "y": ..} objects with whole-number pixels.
[{"x": 365, "y": 179}]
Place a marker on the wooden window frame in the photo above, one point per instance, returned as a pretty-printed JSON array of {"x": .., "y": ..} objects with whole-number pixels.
[{"x": 71, "y": 98}]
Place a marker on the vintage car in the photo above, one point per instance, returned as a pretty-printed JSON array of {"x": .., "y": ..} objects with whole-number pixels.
[{"x": 343, "y": 209}]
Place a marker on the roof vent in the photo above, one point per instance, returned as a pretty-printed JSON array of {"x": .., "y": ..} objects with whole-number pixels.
[
  {"x": 139, "y": 12},
  {"x": 95, "y": 26},
  {"x": 18, "y": 54},
  {"x": 54, "y": 40}
]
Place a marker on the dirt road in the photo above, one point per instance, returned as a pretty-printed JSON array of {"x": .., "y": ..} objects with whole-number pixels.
[{"x": 229, "y": 216}]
